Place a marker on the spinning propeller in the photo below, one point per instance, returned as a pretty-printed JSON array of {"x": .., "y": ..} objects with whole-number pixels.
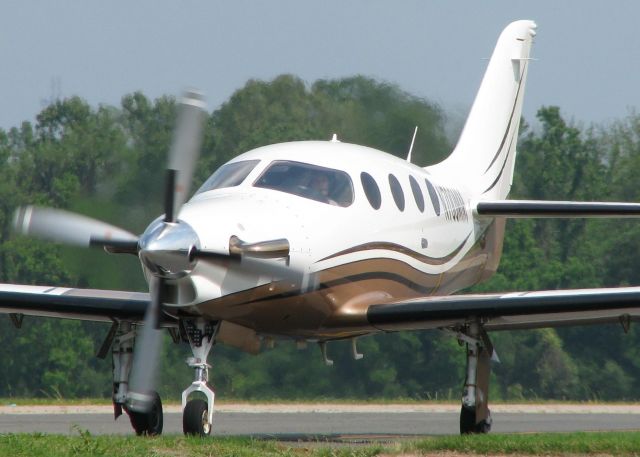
[
  {"x": 70, "y": 228},
  {"x": 168, "y": 248},
  {"x": 165, "y": 247},
  {"x": 161, "y": 245}
]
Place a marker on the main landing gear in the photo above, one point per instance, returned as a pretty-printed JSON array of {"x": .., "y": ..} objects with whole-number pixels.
[
  {"x": 147, "y": 423},
  {"x": 197, "y": 418},
  {"x": 475, "y": 416}
]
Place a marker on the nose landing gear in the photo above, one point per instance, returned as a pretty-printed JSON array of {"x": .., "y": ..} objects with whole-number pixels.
[{"x": 197, "y": 415}]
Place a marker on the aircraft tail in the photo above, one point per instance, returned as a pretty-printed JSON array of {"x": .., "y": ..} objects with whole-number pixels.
[{"x": 485, "y": 154}]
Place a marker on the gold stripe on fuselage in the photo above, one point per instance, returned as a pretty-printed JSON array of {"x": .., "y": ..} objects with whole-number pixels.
[{"x": 386, "y": 246}]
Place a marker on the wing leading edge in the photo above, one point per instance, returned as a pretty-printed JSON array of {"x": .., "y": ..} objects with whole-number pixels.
[
  {"x": 83, "y": 304},
  {"x": 509, "y": 311}
]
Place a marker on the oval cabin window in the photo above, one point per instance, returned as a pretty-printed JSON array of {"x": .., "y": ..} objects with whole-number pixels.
[
  {"x": 433, "y": 195},
  {"x": 396, "y": 192},
  {"x": 417, "y": 193},
  {"x": 371, "y": 190}
]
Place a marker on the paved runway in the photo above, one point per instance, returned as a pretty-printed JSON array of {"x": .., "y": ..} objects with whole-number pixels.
[{"x": 325, "y": 423}]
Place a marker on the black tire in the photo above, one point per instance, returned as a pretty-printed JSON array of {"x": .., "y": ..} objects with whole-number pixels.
[
  {"x": 151, "y": 423},
  {"x": 468, "y": 422},
  {"x": 195, "y": 419}
]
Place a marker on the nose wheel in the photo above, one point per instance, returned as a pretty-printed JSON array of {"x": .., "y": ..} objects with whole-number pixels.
[{"x": 195, "y": 418}]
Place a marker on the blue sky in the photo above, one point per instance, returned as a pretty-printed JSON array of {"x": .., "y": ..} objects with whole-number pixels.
[{"x": 588, "y": 51}]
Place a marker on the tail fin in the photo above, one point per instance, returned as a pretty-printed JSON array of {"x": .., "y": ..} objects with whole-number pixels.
[{"x": 485, "y": 154}]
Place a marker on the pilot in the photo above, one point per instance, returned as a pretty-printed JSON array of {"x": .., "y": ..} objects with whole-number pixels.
[{"x": 320, "y": 185}]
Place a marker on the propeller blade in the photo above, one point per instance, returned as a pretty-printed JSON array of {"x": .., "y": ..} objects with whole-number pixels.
[
  {"x": 184, "y": 152},
  {"x": 146, "y": 356},
  {"x": 71, "y": 228}
]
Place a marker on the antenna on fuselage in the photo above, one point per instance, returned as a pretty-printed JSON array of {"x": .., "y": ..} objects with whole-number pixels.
[
  {"x": 415, "y": 132},
  {"x": 334, "y": 138}
]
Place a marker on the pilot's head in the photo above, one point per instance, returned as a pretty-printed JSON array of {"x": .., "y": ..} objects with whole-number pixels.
[{"x": 320, "y": 183}]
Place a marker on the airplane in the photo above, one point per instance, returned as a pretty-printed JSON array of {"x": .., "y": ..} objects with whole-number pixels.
[{"x": 316, "y": 241}]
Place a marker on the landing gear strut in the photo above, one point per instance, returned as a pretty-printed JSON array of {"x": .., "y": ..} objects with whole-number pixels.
[
  {"x": 147, "y": 423},
  {"x": 475, "y": 416},
  {"x": 197, "y": 415}
]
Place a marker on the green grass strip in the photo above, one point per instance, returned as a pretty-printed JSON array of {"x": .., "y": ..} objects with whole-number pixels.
[
  {"x": 82, "y": 443},
  {"x": 613, "y": 443}
]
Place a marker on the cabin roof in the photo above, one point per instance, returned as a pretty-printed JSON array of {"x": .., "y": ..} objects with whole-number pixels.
[{"x": 345, "y": 156}]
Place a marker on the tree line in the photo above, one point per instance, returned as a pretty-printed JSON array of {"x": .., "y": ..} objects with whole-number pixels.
[{"x": 107, "y": 162}]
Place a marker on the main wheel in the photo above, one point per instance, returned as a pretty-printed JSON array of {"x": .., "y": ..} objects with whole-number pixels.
[
  {"x": 149, "y": 423},
  {"x": 195, "y": 418},
  {"x": 468, "y": 422}
]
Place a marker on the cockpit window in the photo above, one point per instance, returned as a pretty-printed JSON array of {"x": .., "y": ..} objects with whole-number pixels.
[
  {"x": 321, "y": 184},
  {"x": 229, "y": 175}
]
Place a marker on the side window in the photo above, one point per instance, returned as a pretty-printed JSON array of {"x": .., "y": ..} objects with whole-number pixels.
[
  {"x": 433, "y": 195},
  {"x": 371, "y": 190},
  {"x": 417, "y": 193},
  {"x": 396, "y": 192}
]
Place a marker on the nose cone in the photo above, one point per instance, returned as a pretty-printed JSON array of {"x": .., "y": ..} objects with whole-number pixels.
[{"x": 165, "y": 248}]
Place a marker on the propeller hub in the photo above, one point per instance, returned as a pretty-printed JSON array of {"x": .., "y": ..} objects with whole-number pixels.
[{"x": 165, "y": 248}]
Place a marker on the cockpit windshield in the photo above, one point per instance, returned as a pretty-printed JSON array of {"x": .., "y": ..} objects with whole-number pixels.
[
  {"x": 229, "y": 175},
  {"x": 321, "y": 184}
]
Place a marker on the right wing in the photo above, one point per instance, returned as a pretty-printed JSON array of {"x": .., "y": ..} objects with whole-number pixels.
[
  {"x": 506, "y": 311},
  {"x": 511, "y": 310},
  {"x": 66, "y": 303}
]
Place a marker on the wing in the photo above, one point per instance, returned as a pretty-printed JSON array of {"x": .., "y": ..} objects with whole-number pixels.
[
  {"x": 84, "y": 304},
  {"x": 508, "y": 311},
  {"x": 553, "y": 209}
]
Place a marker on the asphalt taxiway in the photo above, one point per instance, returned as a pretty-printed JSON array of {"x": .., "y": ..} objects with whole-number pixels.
[{"x": 329, "y": 422}]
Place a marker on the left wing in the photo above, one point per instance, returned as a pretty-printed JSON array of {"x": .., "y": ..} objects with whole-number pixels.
[
  {"x": 66, "y": 303},
  {"x": 508, "y": 311}
]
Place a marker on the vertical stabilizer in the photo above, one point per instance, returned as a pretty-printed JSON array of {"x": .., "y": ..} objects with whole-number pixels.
[{"x": 485, "y": 154}]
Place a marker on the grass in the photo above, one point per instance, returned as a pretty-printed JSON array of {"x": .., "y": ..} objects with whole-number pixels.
[
  {"x": 583, "y": 443},
  {"x": 82, "y": 443},
  {"x": 49, "y": 401},
  {"x": 87, "y": 445}
]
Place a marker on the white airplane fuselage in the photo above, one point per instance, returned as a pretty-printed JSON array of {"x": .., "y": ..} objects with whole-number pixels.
[{"x": 353, "y": 255}]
